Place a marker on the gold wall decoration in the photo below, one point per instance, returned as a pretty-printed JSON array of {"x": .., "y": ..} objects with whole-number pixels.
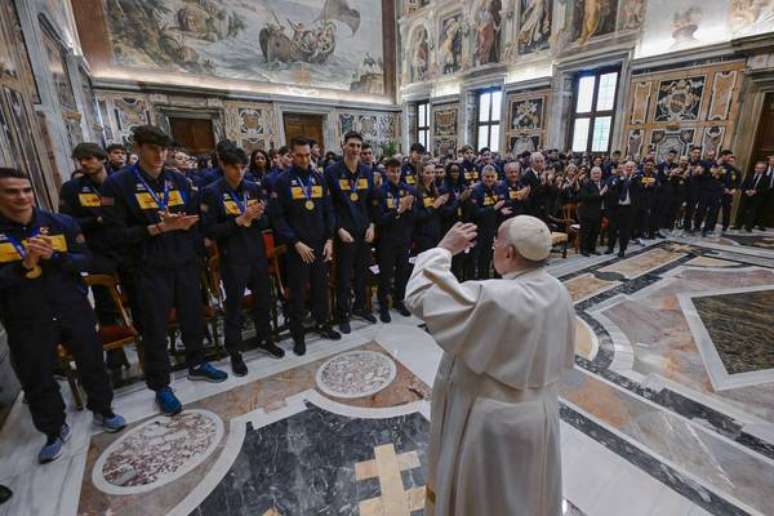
[
  {"x": 641, "y": 101},
  {"x": 722, "y": 91},
  {"x": 682, "y": 107},
  {"x": 527, "y": 120}
]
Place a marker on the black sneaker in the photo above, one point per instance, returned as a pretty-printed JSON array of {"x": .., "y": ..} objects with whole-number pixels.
[
  {"x": 365, "y": 314},
  {"x": 327, "y": 332},
  {"x": 402, "y": 310},
  {"x": 238, "y": 364},
  {"x": 299, "y": 347},
  {"x": 609, "y": 251},
  {"x": 271, "y": 348},
  {"x": 584, "y": 253},
  {"x": 621, "y": 254},
  {"x": 384, "y": 315},
  {"x": 344, "y": 326}
]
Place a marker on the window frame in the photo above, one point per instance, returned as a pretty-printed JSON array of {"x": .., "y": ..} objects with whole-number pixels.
[
  {"x": 593, "y": 114},
  {"x": 489, "y": 123},
  {"x": 423, "y": 128}
]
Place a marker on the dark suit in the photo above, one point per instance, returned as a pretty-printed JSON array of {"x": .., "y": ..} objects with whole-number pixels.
[
  {"x": 590, "y": 212},
  {"x": 752, "y": 205},
  {"x": 622, "y": 212}
]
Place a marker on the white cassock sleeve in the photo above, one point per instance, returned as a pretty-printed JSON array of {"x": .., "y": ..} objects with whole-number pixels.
[{"x": 450, "y": 308}]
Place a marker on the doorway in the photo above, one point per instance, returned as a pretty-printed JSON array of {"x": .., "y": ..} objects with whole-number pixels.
[
  {"x": 764, "y": 147},
  {"x": 195, "y": 135},
  {"x": 302, "y": 124}
]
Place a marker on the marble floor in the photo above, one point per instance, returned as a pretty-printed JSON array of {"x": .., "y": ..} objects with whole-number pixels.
[{"x": 669, "y": 410}]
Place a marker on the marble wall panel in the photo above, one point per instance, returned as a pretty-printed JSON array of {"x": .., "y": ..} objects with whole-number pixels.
[{"x": 251, "y": 124}]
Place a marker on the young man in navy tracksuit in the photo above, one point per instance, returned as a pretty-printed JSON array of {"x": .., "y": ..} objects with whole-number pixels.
[
  {"x": 148, "y": 210},
  {"x": 233, "y": 215},
  {"x": 44, "y": 302}
]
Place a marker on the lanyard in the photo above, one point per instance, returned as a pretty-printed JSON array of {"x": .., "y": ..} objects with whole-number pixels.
[
  {"x": 162, "y": 204},
  {"x": 18, "y": 245},
  {"x": 307, "y": 189},
  {"x": 241, "y": 205}
]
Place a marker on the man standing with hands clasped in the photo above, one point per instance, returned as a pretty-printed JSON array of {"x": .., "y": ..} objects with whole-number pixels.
[
  {"x": 351, "y": 185},
  {"x": 232, "y": 211},
  {"x": 494, "y": 437},
  {"x": 43, "y": 302},
  {"x": 148, "y": 211},
  {"x": 303, "y": 219}
]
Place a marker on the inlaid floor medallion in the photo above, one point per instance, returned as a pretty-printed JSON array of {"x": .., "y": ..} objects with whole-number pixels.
[
  {"x": 157, "y": 452},
  {"x": 356, "y": 374}
]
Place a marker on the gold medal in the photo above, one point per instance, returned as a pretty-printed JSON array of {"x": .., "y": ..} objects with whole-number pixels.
[
  {"x": 353, "y": 196},
  {"x": 309, "y": 205},
  {"x": 35, "y": 272}
]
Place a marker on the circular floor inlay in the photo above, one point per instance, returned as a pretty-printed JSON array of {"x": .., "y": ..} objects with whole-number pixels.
[
  {"x": 356, "y": 374},
  {"x": 157, "y": 452}
]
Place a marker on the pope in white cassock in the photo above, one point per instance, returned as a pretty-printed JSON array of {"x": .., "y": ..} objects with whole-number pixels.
[{"x": 494, "y": 445}]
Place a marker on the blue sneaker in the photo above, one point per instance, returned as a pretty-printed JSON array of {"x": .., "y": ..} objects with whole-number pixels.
[
  {"x": 54, "y": 446},
  {"x": 168, "y": 402},
  {"x": 111, "y": 422},
  {"x": 206, "y": 372}
]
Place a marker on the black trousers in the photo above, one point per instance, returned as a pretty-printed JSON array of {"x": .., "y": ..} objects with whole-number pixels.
[
  {"x": 236, "y": 278},
  {"x": 749, "y": 208},
  {"x": 483, "y": 248},
  {"x": 33, "y": 355},
  {"x": 393, "y": 258},
  {"x": 158, "y": 291},
  {"x": 590, "y": 227},
  {"x": 352, "y": 261},
  {"x": 725, "y": 204},
  {"x": 706, "y": 213},
  {"x": 621, "y": 221},
  {"x": 299, "y": 274},
  {"x": 690, "y": 210}
]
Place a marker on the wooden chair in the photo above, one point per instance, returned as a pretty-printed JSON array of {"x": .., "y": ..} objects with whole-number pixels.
[
  {"x": 562, "y": 228},
  {"x": 111, "y": 336},
  {"x": 274, "y": 254}
]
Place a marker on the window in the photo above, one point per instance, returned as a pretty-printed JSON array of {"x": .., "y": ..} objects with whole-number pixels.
[
  {"x": 592, "y": 120},
  {"x": 423, "y": 124},
  {"x": 489, "y": 120}
]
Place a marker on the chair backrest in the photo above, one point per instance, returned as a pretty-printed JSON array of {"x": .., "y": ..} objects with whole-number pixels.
[
  {"x": 268, "y": 243},
  {"x": 110, "y": 282},
  {"x": 569, "y": 211}
]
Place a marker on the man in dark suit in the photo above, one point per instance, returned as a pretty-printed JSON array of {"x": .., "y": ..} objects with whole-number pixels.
[
  {"x": 531, "y": 177},
  {"x": 626, "y": 192},
  {"x": 755, "y": 189},
  {"x": 592, "y": 195}
]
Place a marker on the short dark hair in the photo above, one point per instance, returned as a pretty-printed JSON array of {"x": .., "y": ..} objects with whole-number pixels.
[
  {"x": 417, "y": 147},
  {"x": 115, "y": 146},
  {"x": 726, "y": 152},
  {"x": 312, "y": 142},
  {"x": 150, "y": 134},
  {"x": 672, "y": 151},
  {"x": 695, "y": 147},
  {"x": 225, "y": 145},
  {"x": 86, "y": 150},
  {"x": 299, "y": 141},
  {"x": 392, "y": 162},
  {"x": 466, "y": 148},
  {"x": 283, "y": 150},
  {"x": 352, "y": 134},
  {"x": 232, "y": 156},
  {"x": 15, "y": 173},
  {"x": 484, "y": 149},
  {"x": 617, "y": 152}
]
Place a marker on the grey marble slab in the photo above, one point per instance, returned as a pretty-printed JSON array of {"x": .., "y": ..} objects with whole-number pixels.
[{"x": 305, "y": 464}]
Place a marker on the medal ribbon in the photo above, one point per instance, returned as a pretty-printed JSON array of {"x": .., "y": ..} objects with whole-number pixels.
[
  {"x": 307, "y": 188},
  {"x": 18, "y": 245},
  {"x": 161, "y": 203},
  {"x": 243, "y": 205}
]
